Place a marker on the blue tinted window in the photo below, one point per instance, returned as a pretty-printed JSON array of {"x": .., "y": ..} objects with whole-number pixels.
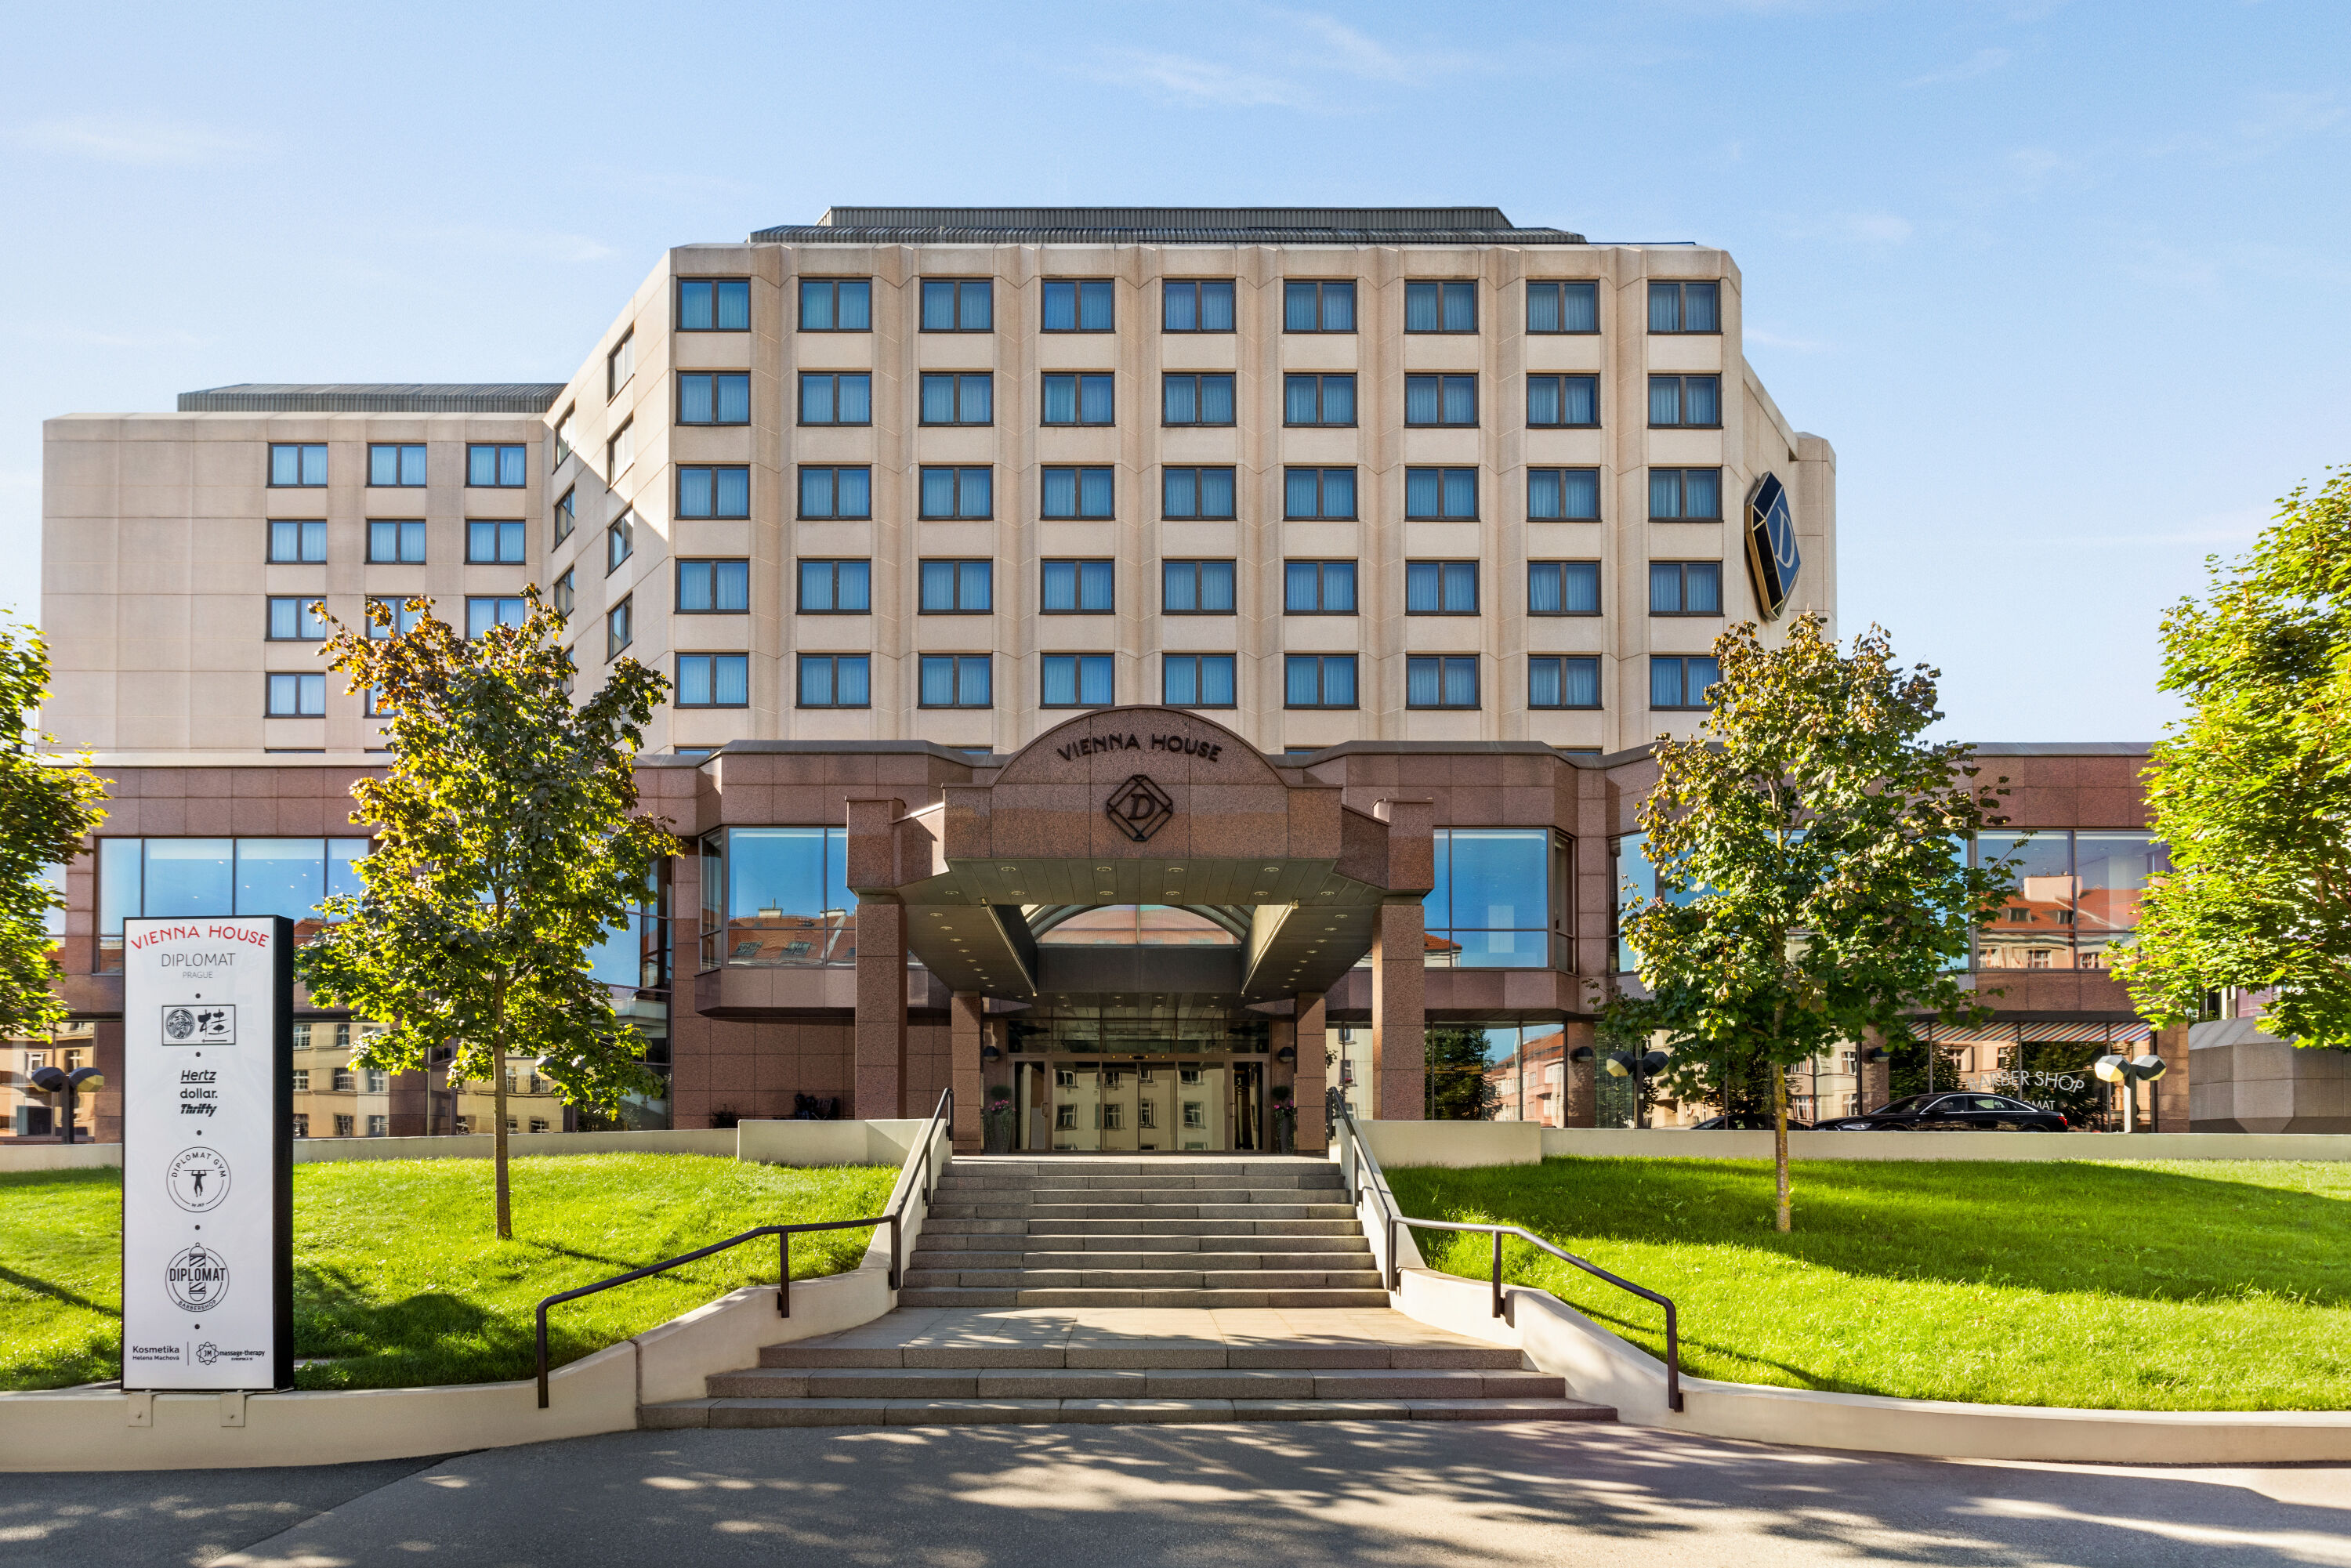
[
  {"x": 1563, "y": 588},
  {"x": 1078, "y": 305},
  {"x": 296, "y": 464},
  {"x": 723, "y": 304},
  {"x": 1563, "y": 680},
  {"x": 1196, "y": 680},
  {"x": 957, "y": 680},
  {"x": 1318, "y": 492},
  {"x": 1196, "y": 305},
  {"x": 829, "y": 305},
  {"x": 1563, "y": 307},
  {"x": 1077, "y": 680}
]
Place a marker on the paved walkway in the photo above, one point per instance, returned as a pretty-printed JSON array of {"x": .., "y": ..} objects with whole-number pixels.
[{"x": 1394, "y": 1496}]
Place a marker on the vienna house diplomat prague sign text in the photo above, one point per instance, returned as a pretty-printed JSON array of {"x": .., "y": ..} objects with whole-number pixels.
[{"x": 207, "y": 1154}]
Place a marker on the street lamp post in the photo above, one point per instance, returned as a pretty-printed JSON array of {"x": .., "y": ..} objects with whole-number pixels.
[
  {"x": 56, "y": 1080},
  {"x": 2128, "y": 1073},
  {"x": 1640, "y": 1067}
]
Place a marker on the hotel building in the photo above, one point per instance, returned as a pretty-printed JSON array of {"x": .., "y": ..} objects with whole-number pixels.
[{"x": 1375, "y": 544}]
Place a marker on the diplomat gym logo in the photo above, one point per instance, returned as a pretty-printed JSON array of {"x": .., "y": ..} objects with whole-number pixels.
[
  {"x": 197, "y": 1179},
  {"x": 197, "y": 1279}
]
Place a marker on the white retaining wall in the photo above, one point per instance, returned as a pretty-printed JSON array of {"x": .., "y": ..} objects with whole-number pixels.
[
  {"x": 106, "y": 1429},
  {"x": 1599, "y": 1366},
  {"x": 1461, "y": 1144}
]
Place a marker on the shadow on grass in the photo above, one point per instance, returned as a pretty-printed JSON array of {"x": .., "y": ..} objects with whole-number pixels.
[
  {"x": 2153, "y": 1235},
  {"x": 40, "y": 1287}
]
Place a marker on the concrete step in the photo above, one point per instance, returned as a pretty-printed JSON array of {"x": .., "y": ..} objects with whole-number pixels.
[
  {"x": 1215, "y": 1240},
  {"x": 1131, "y": 1383},
  {"x": 1126, "y": 1353},
  {"x": 943, "y": 1296},
  {"x": 959, "y": 1258},
  {"x": 1200, "y": 1193},
  {"x": 1230, "y": 1209},
  {"x": 1221, "y": 1228},
  {"x": 1028, "y": 1280},
  {"x": 960, "y": 1180},
  {"x": 1010, "y": 1411}
]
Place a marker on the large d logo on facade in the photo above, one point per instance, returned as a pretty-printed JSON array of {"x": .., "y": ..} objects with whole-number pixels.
[
  {"x": 1772, "y": 560},
  {"x": 1140, "y": 808}
]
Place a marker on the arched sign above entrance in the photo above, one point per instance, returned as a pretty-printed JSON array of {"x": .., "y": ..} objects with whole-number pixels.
[
  {"x": 1141, "y": 783},
  {"x": 1112, "y": 744}
]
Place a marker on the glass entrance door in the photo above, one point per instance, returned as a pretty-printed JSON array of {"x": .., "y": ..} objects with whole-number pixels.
[{"x": 1168, "y": 1106}]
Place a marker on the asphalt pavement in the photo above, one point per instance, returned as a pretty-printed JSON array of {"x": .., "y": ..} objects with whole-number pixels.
[{"x": 1393, "y": 1495}]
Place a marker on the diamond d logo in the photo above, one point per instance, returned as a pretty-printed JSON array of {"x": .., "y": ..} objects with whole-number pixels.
[
  {"x": 196, "y": 1279},
  {"x": 1140, "y": 808}
]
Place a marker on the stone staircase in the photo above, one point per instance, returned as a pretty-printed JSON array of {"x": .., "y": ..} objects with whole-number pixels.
[
  {"x": 1170, "y": 1232},
  {"x": 1081, "y": 1290}
]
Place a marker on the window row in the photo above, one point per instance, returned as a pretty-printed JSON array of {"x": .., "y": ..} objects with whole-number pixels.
[
  {"x": 948, "y": 587},
  {"x": 1678, "y": 682},
  {"x": 1196, "y": 305},
  {"x": 1087, "y": 398},
  {"x": 829, "y": 492},
  {"x": 390, "y": 465},
  {"x": 397, "y": 541}
]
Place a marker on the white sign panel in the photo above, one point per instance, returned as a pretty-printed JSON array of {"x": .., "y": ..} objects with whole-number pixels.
[{"x": 207, "y": 1152}]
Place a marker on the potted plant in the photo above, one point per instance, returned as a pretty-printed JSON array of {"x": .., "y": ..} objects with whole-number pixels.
[
  {"x": 1285, "y": 1121},
  {"x": 996, "y": 1121}
]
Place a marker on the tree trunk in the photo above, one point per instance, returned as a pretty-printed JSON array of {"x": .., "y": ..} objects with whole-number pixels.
[
  {"x": 1784, "y": 1220},
  {"x": 498, "y": 1143}
]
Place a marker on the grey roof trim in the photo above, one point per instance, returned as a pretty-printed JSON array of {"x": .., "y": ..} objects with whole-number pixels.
[
  {"x": 1162, "y": 226},
  {"x": 374, "y": 397}
]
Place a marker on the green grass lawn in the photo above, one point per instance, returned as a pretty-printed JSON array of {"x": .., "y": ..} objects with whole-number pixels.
[
  {"x": 398, "y": 1279},
  {"x": 2150, "y": 1285}
]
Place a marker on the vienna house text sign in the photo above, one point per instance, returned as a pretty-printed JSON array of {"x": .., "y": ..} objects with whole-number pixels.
[
  {"x": 207, "y": 1154},
  {"x": 1178, "y": 744}
]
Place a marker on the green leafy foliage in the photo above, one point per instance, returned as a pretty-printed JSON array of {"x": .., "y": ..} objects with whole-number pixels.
[
  {"x": 507, "y": 845},
  {"x": 2251, "y": 792},
  {"x": 48, "y": 805},
  {"x": 1813, "y": 885}
]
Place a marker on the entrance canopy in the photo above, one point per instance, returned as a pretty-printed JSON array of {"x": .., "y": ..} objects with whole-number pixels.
[{"x": 1151, "y": 807}]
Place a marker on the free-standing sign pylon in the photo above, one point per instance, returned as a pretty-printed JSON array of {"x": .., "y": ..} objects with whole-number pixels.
[{"x": 207, "y": 1154}]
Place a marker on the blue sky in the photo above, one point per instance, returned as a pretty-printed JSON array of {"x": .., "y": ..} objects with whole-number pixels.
[{"x": 2067, "y": 285}]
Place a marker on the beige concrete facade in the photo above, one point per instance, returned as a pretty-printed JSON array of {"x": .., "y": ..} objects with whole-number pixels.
[{"x": 155, "y": 525}]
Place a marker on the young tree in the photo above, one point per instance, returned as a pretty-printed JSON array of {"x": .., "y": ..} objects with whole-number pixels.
[
  {"x": 48, "y": 805},
  {"x": 2252, "y": 792},
  {"x": 1813, "y": 884},
  {"x": 507, "y": 845}
]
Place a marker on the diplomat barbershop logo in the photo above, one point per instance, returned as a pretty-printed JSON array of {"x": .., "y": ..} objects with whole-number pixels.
[
  {"x": 197, "y": 1280},
  {"x": 1140, "y": 808}
]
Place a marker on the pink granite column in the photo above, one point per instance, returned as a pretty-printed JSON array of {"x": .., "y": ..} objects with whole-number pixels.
[
  {"x": 1313, "y": 1072},
  {"x": 2171, "y": 1113},
  {"x": 1580, "y": 1083},
  {"x": 967, "y": 1032},
  {"x": 878, "y": 1058},
  {"x": 1399, "y": 1086}
]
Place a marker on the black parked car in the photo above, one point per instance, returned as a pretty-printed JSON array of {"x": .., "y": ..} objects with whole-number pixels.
[
  {"x": 1746, "y": 1122},
  {"x": 1953, "y": 1114}
]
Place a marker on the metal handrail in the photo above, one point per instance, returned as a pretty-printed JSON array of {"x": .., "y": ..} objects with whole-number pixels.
[
  {"x": 1340, "y": 1112},
  {"x": 783, "y": 1234}
]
